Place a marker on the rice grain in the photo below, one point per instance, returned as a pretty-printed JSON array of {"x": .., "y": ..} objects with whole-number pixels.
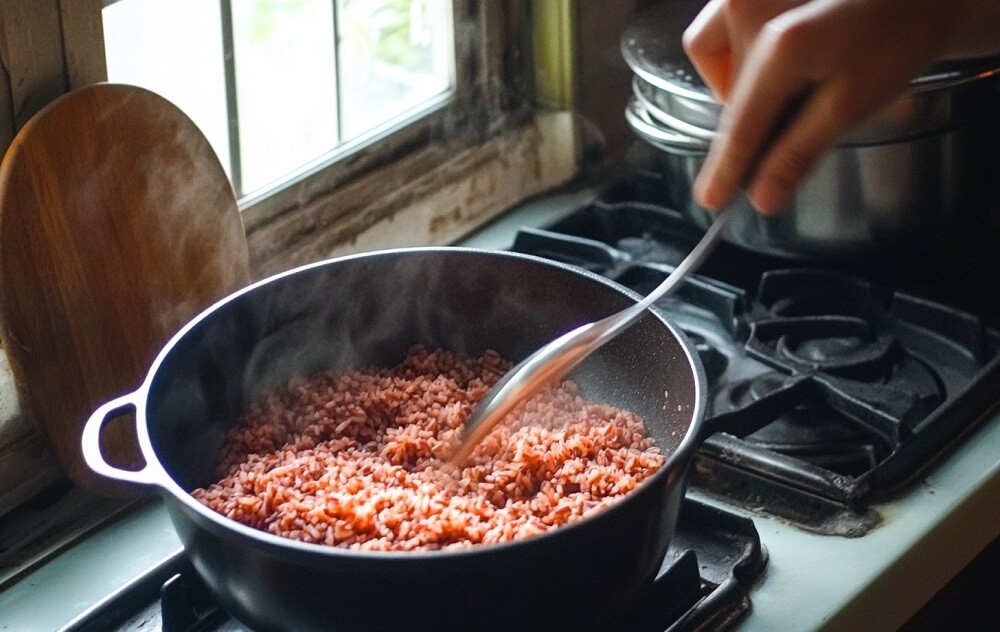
[{"x": 356, "y": 459}]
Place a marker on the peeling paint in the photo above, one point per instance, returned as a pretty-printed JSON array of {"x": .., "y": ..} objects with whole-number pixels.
[{"x": 473, "y": 187}]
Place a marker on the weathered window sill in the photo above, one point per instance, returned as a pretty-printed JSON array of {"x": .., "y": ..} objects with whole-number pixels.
[{"x": 453, "y": 193}]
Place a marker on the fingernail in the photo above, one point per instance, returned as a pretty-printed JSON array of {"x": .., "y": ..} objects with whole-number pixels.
[
  {"x": 707, "y": 190},
  {"x": 768, "y": 196},
  {"x": 702, "y": 192}
]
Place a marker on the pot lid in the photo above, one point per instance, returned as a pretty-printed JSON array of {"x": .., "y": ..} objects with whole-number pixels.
[{"x": 651, "y": 46}]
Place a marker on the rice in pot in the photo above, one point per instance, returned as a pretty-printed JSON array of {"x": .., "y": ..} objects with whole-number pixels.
[{"x": 355, "y": 459}]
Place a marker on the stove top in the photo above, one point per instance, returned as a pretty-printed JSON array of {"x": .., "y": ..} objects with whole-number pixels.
[
  {"x": 714, "y": 560},
  {"x": 838, "y": 383}
]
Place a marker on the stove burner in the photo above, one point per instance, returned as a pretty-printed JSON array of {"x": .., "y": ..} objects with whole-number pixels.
[
  {"x": 808, "y": 292},
  {"x": 888, "y": 394},
  {"x": 825, "y": 321},
  {"x": 824, "y": 352},
  {"x": 838, "y": 345},
  {"x": 804, "y": 425},
  {"x": 763, "y": 385},
  {"x": 809, "y": 429},
  {"x": 739, "y": 394}
]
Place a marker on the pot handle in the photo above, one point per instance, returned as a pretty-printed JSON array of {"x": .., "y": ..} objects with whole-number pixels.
[{"x": 91, "y": 442}]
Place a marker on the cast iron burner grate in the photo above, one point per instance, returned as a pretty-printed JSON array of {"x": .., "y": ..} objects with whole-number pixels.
[
  {"x": 838, "y": 384},
  {"x": 714, "y": 560}
]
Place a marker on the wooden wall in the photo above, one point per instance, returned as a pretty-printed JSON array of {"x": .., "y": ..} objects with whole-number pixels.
[
  {"x": 603, "y": 78},
  {"x": 47, "y": 47}
]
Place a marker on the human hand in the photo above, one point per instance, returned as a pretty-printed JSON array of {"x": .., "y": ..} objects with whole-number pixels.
[{"x": 796, "y": 75}]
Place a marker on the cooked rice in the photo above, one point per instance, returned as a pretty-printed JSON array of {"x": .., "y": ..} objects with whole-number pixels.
[{"x": 355, "y": 459}]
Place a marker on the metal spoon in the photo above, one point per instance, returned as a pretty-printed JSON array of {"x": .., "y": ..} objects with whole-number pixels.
[{"x": 562, "y": 355}]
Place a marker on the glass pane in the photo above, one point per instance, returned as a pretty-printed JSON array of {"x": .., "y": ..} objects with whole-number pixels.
[
  {"x": 395, "y": 55},
  {"x": 286, "y": 86},
  {"x": 174, "y": 48}
]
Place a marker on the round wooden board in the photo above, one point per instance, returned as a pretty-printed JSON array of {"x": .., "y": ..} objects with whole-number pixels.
[{"x": 117, "y": 225}]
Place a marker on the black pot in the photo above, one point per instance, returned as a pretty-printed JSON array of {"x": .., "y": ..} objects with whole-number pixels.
[{"x": 368, "y": 310}]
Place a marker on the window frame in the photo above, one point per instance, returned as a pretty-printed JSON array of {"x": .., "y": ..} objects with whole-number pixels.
[
  {"x": 315, "y": 175},
  {"x": 491, "y": 93},
  {"x": 492, "y": 96}
]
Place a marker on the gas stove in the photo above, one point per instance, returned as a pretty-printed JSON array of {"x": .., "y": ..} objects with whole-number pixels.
[
  {"x": 841, "y": 387},
  {"x": 839, "y": 384},
  {"x": 857, "y": 474}
]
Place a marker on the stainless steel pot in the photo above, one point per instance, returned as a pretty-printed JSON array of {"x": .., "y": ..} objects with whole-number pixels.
[
  {"x": 859, "y": 198},
  {"x": 366, "y": 310},
  {"x": 923, "y": 166}
]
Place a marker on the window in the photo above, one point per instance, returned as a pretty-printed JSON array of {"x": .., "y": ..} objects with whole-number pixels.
[
  {"x": 345, "y": 125},
  {"x": 279, "y": 86}
]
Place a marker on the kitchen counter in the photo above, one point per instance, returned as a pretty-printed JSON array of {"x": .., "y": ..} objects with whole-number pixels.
[{"x": 878, "y": 581}]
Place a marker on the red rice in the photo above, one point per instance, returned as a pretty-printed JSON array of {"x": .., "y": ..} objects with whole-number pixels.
[{"x": 355, "y": 459}]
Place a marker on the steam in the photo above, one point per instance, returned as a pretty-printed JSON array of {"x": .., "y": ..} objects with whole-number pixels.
[
  {"x": 211, "y": 233},
  {"x": 163, "y": 248},
  {"x": 369, "y": 310}
]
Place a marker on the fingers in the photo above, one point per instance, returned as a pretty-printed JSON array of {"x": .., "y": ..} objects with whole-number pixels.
[
  {"x": 707, "y": 44},
  {"x": 767, "y": 84},
  {"x": 721, "y": 35},
  {"x": 789, "y": 160},
  {"x": 745, "y": 19},
  {"x": 796, "y": 76}
]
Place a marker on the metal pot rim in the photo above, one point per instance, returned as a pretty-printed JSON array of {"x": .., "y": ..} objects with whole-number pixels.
[
  {"x": 656, "y": 115},
  {"x": 662, "y": 83},
  {"x": 936, "y": 78},
  {"x": 662, "y": 128},
  {"x": 674, "y": 141},
  {"x": 955, "y": 73}
]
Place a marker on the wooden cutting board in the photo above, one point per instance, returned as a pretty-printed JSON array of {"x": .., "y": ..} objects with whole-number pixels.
[{"x": 117, "y": 225}]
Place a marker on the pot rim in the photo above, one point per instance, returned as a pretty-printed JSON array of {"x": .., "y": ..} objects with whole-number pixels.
[
  {"x": 672, "y": 141},
  {"x": 662, "y": 83},
  {"x": 935, "y": 78},
  {"x": 674, "y": 135},
  {"x": 671, "y": 473},
  {"x": 656, "y": 116}
]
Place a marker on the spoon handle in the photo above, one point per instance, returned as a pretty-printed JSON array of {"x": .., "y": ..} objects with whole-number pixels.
[
  {"x": 557, "y": 358},
  {"x": 616, "y": 322}
]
